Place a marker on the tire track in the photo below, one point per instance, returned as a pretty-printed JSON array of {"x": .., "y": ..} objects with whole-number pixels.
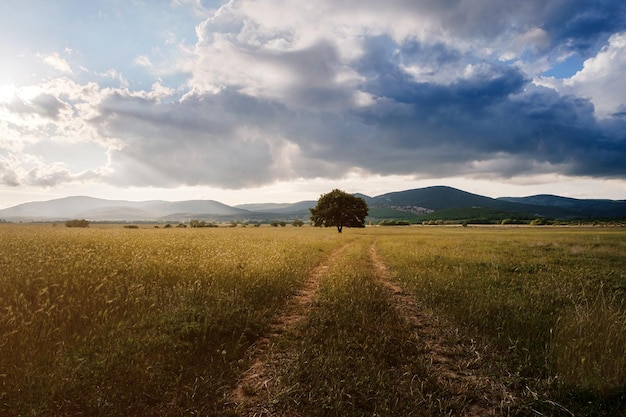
[
  {"x": 456, "y": 363},
  {"x": 256, "y": 385}
]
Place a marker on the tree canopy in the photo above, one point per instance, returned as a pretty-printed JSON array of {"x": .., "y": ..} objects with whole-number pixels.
[{"x": 338, "y": 208}]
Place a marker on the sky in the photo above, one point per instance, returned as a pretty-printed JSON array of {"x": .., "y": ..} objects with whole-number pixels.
[{"x": 247, "y": 101}]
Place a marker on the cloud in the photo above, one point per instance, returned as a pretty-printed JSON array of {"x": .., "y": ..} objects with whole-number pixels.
[
  {"x": 492, "y": 124},
  {"x": 58, "y": 63},
  {"x": 44, "y": 105},
  {"x": 274, "y": 97},
  {"x": 313, "y": 75},
  {"x": 583, "y": 26},
  {"x": 282, "y": 91},
  {"x": 49, "y": 176},
  {"x": 17, "y": 170},
  {"x": 472, "y": 128},
  {"x": 221, "y": 139},
  {"x": 458, "y": 22},
  {"x": 49, "y": 116},
  {"x": 301, "y": 54},
  {"x": 602, "y": 77},
  {"x": 143, "y": 61},
  {"x": 8, "y": 175}
]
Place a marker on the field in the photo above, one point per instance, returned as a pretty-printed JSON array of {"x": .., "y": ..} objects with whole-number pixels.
[{"x": 381, "y": 321}]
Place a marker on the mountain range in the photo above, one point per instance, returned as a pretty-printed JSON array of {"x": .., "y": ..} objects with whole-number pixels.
[{"x": 430, "y": 202}]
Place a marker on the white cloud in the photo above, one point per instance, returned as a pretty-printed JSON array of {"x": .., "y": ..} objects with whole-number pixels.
[
  {"x": 51, "y": 115},
  {"x": 58, "y": 63},
  {"x": 143, "y": 61},
  {"x": 602, "y": 77}
]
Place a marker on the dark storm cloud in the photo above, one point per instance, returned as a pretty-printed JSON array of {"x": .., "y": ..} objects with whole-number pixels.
[
  {"x": 385, "y": 78},
  {"x": 420, "y": 128},
  {"x": 582, "y": 24},
  {"x": 235, "y": 140},
  {"x": 437, "y": 54},
  {"x": 424, "y": 105},
  {"x": 492, "y": 114},
  {"x": 572, "y": 25},
  {"x": 578, "y": 24}
]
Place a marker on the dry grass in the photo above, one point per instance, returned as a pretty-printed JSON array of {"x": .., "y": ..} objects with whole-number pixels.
[
  {"x": 551, "y": 300},
  {"x": 110, "y": 321},
  {"x": 138, "y": 322}
]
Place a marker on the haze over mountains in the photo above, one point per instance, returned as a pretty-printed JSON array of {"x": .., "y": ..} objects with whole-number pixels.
[{"x": 401, "y": 204}]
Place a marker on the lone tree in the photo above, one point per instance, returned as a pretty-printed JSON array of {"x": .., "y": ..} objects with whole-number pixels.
[{"x": 340, "y": 209}]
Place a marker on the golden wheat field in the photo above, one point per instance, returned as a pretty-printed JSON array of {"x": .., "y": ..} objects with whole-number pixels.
[{"x": 112, "y": 321}]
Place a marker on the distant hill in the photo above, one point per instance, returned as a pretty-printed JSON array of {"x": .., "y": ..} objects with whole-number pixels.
[
  {"x": 440, "y": 198},
  {"x": 285, "y": 208},
  {"x": 97, "y": 209},
  {"x": 199, "y": 207},
  {"x": 438, "y": 202},
  {"x": 264, "y": 207},
  {"x": 581, "y": 207},
  {"x": 434, "y": 198},
  {"x": 114, "y": 214},
  {"x": 425, "y": 201}
]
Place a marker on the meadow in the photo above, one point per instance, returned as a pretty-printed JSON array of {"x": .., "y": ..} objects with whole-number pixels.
[{"x": 110, "y": 321}]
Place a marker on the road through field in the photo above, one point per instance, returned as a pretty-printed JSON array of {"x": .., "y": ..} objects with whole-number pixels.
[{"x": 450, "y": 370}]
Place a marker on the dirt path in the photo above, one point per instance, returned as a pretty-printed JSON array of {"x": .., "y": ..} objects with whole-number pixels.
[
  {"x": 456, "y": 362},
  {"x": 257, "y": 384},
  {"x": 459, "y": 364}
]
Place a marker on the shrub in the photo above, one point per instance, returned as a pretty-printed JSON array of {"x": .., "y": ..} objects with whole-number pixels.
[
  {"x": 202, "y": 223},
  {"x": 77, "y": 223},
  {"x": 395, "y": 223}
]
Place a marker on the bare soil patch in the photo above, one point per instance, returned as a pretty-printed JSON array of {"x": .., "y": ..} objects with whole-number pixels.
[{"x": 458, "y": 363}]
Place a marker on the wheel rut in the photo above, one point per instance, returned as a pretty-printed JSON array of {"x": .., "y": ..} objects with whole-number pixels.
[
  {"x": 454, "y": 361},
  {"x": 457, "y": 363},
  {"x": 257, "y": 384}
]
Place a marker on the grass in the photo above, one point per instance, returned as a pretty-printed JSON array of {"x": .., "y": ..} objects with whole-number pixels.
[
  {"x": 355, "y": 355},
  {"x": 138, "y": 322},
  {"x": 552, "y": 301},
  {"x": 110, "y": 321}
]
